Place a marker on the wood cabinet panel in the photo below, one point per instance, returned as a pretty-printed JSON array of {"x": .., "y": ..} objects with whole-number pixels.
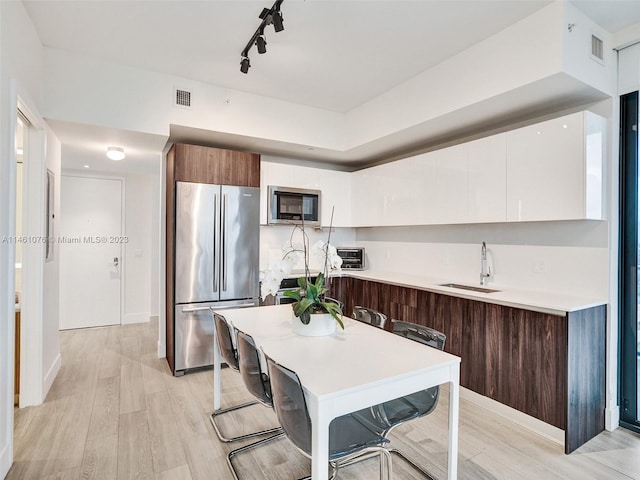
[
  {"x": 548, "y": 366},
  {"x": 526, "y": 362},
  {"x": 586, "y": 375},
  {"x": 195, "y": 163}
]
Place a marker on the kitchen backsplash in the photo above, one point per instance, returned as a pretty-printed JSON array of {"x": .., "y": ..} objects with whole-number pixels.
[{"x": 273, "y": 238}]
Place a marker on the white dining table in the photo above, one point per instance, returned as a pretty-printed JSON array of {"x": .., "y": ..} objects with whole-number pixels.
[{"x": 351, "y": 369}]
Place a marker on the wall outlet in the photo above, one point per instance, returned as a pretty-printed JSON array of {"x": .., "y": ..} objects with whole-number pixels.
[
  {"x": 138, "y": 252},
  {"x": 539, "y": 266}
]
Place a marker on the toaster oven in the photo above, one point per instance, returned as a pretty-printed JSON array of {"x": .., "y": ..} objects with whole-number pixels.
[{"x": 352, "y": 258}]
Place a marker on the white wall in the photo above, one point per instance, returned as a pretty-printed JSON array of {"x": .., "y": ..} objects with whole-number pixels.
[
  {"x": 20, "y": 63},
  {"x": 51, "y": 360},
  {"x": 574, "y": 254},
  {"x": 274, "y": 237},
  {"x": 140, "y": 100},
  {"x": 138, "y": 251}
]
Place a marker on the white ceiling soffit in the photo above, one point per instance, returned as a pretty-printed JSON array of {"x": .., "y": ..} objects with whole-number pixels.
[{"x": 87, "y": 145}]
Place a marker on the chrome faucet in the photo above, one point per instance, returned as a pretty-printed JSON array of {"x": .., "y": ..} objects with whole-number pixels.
[{"x": 485, "y": 271}]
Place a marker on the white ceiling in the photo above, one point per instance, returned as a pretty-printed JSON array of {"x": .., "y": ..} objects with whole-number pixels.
[{"x": 332, "y": 54}]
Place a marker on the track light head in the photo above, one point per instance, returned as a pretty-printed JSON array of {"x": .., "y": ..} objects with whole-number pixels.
[
  {"x": 261, "y": 43},
  {"x": 245, "y": 64},
  {"x": 277, "y": 20}
]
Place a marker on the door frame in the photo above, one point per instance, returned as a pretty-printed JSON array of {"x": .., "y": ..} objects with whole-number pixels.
[
  {"x": 32, "y": 385},
  {"x": 629, "y": 235},
  {"x": 31, "y": 344},
  {"x": 123, "y": 186}
]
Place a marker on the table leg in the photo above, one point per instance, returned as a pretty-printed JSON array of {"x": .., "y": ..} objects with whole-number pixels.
[
  {"x": 216, "y": 370},
  {"x": 454, "y": 407},
  {"x": 320, "y": 449}
]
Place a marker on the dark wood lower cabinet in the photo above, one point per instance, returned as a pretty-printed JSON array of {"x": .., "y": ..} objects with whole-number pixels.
[{"x": 551, "y": 367}]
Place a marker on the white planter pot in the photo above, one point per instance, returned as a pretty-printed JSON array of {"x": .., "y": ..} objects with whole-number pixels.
[{"x": 320, "y": 324}]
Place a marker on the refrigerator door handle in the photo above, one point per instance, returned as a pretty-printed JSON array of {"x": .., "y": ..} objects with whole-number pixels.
[
  {"x": 215, "y": 242},
  {"x": 223, "y": 254},
  {"x": 226, "y": 307},
  {"x": 195, "y": 309}
]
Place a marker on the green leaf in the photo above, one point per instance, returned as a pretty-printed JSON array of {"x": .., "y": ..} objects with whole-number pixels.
[
  {"x": 312, "y": 291},
  {"x": 302, "y": 282},
  {"x": 335, "y": 311},
  {"x": 293, "y": 294},
  {"x": 301, "y": 307}
]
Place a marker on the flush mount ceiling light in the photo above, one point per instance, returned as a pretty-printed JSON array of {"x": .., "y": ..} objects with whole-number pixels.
[
  {"x": 269, "y": 16},
  {"x": 115, "y": 153}
]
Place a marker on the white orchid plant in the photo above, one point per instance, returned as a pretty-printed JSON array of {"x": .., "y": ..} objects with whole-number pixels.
[{"x": 309, "y": 296}]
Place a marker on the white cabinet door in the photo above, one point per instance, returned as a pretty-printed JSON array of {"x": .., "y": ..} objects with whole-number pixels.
[
  {"x": 272, "y": 173},
  {"x": 367, "y": 197},
  {"x": 452, "y": 184},
  {"x": 487, "y": 179},
  {"x": 336, "y": 196},
  {"x": 546, "y": 170}
]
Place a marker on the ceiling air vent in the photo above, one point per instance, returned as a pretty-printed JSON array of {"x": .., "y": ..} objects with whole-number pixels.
[
  {"x": 182, "y": 98},
  {"x": 597, "y": 49}
]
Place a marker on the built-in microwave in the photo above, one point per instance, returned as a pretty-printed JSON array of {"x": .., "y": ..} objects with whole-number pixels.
[{"x": 291, "y": 205}]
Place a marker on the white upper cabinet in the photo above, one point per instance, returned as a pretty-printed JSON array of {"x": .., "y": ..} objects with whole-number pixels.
[
  {"x": 547, "y": 171},
  {"x": 487, "y": 180},
  {"x": 554, "y": 169},
  {"x": 460, "y": 184}
]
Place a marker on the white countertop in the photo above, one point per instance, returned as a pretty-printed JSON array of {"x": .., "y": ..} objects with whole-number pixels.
[{"x": 539, "y": 301}]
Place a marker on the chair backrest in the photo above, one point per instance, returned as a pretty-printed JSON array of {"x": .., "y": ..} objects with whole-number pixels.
[
  {"x": 425, "y": 401},
  {"x": 225, "y": 342},
  {"x": 336, "y": 301},
  {"x": 370, "y": 316},
  {"x": 419, "y": 333},
  {"x": 256, "y": 381},
  {"x": 290, "y": 405}
]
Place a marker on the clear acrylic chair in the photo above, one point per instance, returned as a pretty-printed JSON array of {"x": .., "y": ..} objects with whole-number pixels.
[
  {"x": 384, "y": 417},
  {"x": 336, "y": 301},
  {"x": 349, "y": 439},
  {"x": 257, "y": 382},
  {"x": 230, "y": 356},
  {"x": 370, "y": 316}
]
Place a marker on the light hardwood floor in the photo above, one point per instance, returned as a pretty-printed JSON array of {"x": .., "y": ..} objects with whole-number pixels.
[{"x": 115, "y": 412}]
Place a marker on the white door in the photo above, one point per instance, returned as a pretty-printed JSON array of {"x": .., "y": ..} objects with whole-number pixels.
[{"x": 90, "y": 244}]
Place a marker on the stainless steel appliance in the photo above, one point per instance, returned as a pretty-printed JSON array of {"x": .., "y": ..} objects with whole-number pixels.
[
  {"x": 352, "y": 258},
  {"x": 288, "y": 283},
  {"x": 290, "y": 205},
  {"x": 216, "y": 263}
]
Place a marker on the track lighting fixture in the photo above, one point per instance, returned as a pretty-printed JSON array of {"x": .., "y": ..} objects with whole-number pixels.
[
  {"x": 245, "y": 64},
  {"x": 269, "y": 16},
  {"x": 278, "y": 26},
  {"x": 261, "y": 44}
]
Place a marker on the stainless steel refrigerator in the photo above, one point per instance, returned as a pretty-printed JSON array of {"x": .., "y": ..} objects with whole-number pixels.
[{"x": 216, "y": 263}]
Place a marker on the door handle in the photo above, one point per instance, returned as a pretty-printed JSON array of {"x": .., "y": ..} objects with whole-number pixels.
[
  {"x": 223, "y": 255},
  {"x": 115, "y": 261},
  {"x": 215, "y": 242}
]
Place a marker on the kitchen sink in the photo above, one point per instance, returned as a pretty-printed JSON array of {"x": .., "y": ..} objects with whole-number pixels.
[{"x": 468, "y": 287}]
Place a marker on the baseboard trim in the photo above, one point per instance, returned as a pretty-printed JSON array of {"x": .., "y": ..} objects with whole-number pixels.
[
  {"x": 51, "y": 376},
  {"x": 130, "y": 318},
  {"x": 538, "y": 426},
  {"x": 6, "y": 459},
  {"x": 611, "y": 418}
]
